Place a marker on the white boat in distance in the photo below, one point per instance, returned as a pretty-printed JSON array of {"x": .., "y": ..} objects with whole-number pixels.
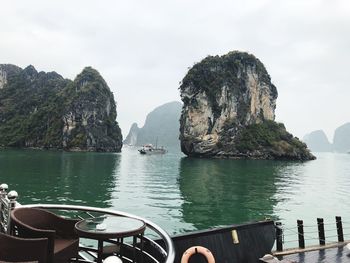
[{"x": 149, "y": 149}]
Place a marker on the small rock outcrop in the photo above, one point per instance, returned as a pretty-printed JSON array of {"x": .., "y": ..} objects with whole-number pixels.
[
  {"x": 341, "y": 140},
  {"x": 7, "y": 71},
  {"x": 131, "y": 138},
  {"x": 229, "y": 111},
  {"x": 317, "y": 141},
  {"x": 44, "y": 110},
  {"x": 161, "y": 126}
]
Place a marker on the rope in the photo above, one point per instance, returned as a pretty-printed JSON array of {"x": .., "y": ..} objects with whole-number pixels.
[
  {"x": 306, "y": 237},
  {"x": 311, "y": 232},
  {"x": 306, "y": 226},
  {"x": 288, "y": 232},
  {"x": 288, "y": 235},
  {"x": 331, "y": 236},
  {"x": 288, "y": 228},
  {"x": 326, "y": 224},
  {"x": 290, "y": 241}
]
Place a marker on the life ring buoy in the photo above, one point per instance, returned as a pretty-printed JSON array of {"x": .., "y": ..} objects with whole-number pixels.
[{"x": 197, "y": 249}]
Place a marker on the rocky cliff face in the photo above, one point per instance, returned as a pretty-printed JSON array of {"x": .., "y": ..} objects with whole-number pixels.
[
  {"x": 161, "y": 126},
  {"x": 7, "y": 71},
  {"x": 44, "y": 110},
  {"x": 227, "y": 100}
]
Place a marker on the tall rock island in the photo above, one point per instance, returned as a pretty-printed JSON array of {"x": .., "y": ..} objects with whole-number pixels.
[
  {"x": 317, "y": 141},
  {"x": 44, "y": 110},
  {"x": 229, "y": 111},
  {"x": 341, "y": 141}
]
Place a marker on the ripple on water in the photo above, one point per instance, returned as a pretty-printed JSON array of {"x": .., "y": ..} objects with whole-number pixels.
[{"x": 182, "y": 194}]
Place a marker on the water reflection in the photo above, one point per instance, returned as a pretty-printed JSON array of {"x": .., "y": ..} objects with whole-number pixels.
[
  {"x": 182, "y": 194},
  {"x": 60, "y": 177},
  {"x": 148, "y": 188},
  {"x": 221, "y": 192},
  {"x": 314, "y": 189}
]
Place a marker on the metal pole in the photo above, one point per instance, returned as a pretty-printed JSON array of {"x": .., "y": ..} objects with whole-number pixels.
[
  {"x": 3, "y": 206},
  {"x": 279, "y": 239},
  {"x": 301, "y": 237},
  {"x": 3, "y": 190},
  {"x": 339, "y": 229},
  {"x": 321, "y": 235},
  {"x": 12, "y": 196}
]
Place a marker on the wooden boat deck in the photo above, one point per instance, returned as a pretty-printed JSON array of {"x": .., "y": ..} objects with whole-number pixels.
[{"x": 329, "y": 255}]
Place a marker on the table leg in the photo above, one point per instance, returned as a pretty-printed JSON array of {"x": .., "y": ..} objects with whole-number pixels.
[
  {"x": 141, "y": 246},
  {"x": 134, "y": 240},
  {"x": 99, "y": 251},
  {"x": 121, "y": 246}
]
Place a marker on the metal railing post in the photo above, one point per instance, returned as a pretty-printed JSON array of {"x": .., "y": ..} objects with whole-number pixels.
[
  {"x": 301, "y": 237},
  {"x": 3, "y": 206},
  {"x": 339, "y": 229},
  {"x": 12, "y": 196},
  {"x": 321, "y": 235},
  {"x": 279, "y": 236},
  {"x": 3, "y": 190}
]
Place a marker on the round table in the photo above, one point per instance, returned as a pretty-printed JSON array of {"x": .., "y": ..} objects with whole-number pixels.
[{"x": 109, "y": 227}]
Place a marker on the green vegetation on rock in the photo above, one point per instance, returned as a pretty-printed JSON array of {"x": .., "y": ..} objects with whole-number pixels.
[
  {"x": 272, "y": 139},
  {"x": 44, "y": 110},
  {"x": 229, "y": 70},
  {"x": 229, "y": 112}
]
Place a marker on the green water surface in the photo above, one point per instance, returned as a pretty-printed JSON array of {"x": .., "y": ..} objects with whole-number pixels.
[{"x": 182, "y": 194}]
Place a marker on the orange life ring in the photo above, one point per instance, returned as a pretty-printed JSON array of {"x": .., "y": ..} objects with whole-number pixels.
[{"x": 197, "y": 249}]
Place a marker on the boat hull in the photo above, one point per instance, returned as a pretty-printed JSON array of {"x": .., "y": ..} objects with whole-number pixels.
[
  {"x": 254, "y": 241},
  {"x": 154, "y": 151}
]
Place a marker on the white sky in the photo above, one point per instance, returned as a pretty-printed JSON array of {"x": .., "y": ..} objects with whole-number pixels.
[{"x": 144, "y": 48}]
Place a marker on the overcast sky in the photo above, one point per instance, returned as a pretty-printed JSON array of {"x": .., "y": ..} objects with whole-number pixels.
[{"x": 144, "y": 48}]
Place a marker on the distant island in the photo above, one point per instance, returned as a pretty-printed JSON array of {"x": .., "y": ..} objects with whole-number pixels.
[
  {"x": 229, "y": 111},
  {"x": 161, "y": 127},
  {"x": 44, "y": 110},
  {"x": 318, "y": 141},
  {"x": 341, "y": 140}
]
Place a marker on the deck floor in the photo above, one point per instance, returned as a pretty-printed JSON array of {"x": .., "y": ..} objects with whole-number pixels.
[{"x": 329, "y": 255}]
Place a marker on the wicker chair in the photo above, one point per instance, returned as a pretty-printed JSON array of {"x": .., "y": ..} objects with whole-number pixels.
[
  {"x": 14, "y": 249},
  {"x": 63, "y": 242}
]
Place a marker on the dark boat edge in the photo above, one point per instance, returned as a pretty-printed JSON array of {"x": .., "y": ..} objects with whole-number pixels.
[{"x": 244, "y": 243}]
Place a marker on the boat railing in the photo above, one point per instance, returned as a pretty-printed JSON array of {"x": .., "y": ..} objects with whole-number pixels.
[
  {"x": 7, "y": 203},
  {"x": 308, "y": 237},
  {"x": 157, "y": 245}
]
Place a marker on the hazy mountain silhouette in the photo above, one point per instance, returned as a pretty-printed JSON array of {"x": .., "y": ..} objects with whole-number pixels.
[
  {"x": 161, "y": 127},
  {"x": 317, "y": 141},
  {"x": 341, "y": 140}
]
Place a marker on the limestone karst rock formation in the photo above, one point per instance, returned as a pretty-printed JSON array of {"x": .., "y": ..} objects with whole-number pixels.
[
  {"x": 229, "y": 111},
  {"x": 44, "y": 110}
]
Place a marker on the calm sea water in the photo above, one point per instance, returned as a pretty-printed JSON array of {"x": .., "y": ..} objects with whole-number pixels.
[{"x": 182, "y": 194}]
